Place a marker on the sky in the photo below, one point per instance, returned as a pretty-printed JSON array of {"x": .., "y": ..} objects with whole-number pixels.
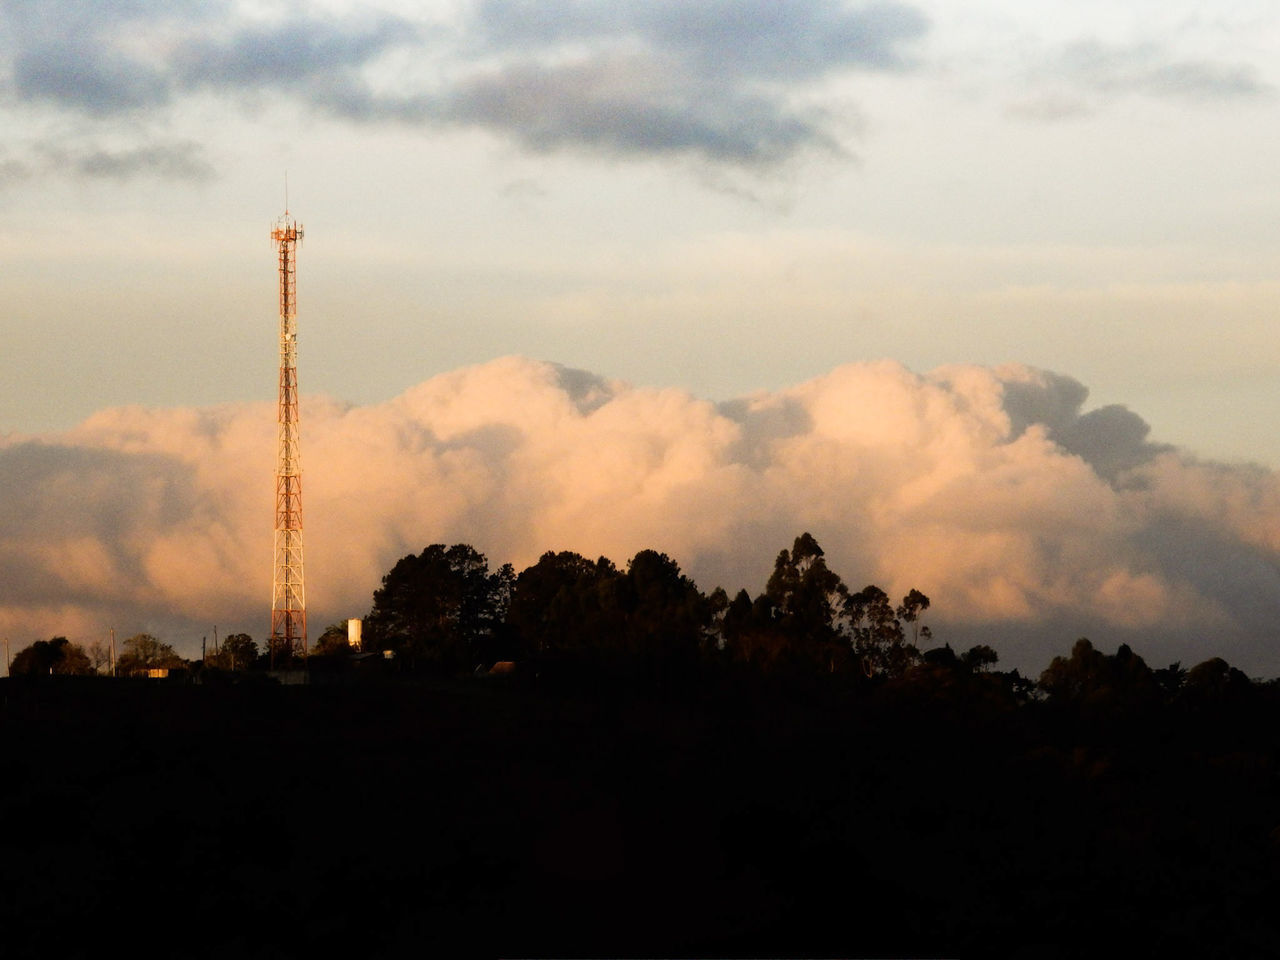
[{"x": 789, "y": 264}]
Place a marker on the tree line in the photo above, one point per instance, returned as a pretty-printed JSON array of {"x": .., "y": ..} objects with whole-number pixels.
[
  {"x": 444, "y": 612},
  {"x": 139, "y": 656}
]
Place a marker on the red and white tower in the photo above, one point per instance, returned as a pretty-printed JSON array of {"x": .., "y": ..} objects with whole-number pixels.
[{"x": 288, "y": 595}]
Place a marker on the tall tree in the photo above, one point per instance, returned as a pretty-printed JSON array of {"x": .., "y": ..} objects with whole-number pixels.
[
  {"x": 566, "y": 603},
  {"x": 913, "y": 604},
  {"x": 808, "y": 598},
  {"x": 666, "y": 614},
  {"x": 876, "y": 628},
  {"x": 238, "y": 651},
  {"x": 801, "y": 614},
  {"x": 442, "y": 609}
]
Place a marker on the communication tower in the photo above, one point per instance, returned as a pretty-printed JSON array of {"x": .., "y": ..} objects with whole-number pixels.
[{"x": 288, "y": 595}]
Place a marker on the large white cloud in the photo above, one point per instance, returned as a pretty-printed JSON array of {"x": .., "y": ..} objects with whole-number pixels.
[{"x": 1027, "y": 519}]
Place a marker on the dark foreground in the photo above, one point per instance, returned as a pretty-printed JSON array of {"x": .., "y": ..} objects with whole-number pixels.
[{"x": 728, "y": 820}]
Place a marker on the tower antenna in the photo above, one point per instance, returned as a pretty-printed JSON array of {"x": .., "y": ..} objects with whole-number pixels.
[{"x": 288, "y": 594}]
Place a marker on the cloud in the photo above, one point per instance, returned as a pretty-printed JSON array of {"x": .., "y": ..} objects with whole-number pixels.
[
  {"x": 757, "y": 39},
  {"x": 629, "y": 108},
  {"x": 1027, "y": 518},
  {"x": 120, "y": 71},
  {"x": 1147, "y": 69},
  {"x": 1096, "y": 69},
  {"x": 83, "y": 158},
  {"x": 288, "y": 54},
  {"x": 716, "y": 80},
  {"x": 105, "y": 59},
  {"x": 720, "y": 81},
  {"x": 182, "y": 160}
]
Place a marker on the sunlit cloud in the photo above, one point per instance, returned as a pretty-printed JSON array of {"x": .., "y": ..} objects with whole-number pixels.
[{"x": 1027, "y": 518}]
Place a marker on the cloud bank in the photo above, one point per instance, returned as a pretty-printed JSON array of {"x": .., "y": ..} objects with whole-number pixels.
[
  {"x": 1028, "y": 519},
  {"x": 723, "y": 82},
  {"x": 744, "y": 85}
]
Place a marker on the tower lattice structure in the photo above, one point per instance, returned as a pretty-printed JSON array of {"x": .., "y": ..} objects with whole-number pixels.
[{"x": 288, "y": 593}]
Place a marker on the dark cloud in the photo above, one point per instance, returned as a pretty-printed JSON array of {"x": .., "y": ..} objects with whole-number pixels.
[
  {"x": 82, "y": 76},
  {"x": 743, "y": 38},
  {"x": 628, "y": 109},
  {"x": 167, "y": 161},
  {"x": 711, "y": 79},
  {"x": 288, "y": 54},
  {"x": 777, "y": 40},
  {"x": 89, "y": 57},
  {"x": 78, "y": 157},
  {"x": 708, "y": 79},
  {"x": 102, "y": 64},
  {"x": 1242, "y": 577},
  {"x": 1111, "y": 439},
  {"x": 588, "y": 391}
]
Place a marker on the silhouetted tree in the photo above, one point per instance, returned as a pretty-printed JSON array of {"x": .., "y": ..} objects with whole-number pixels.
[
  {"x": 1171, "y": 679},
  {"x": 1213, "y": 681},
  {"x": 942, "y": 656},
  {"x": 440, "y": 610},
  {"x": 1101, "y": 686},
  {"x": 807, "y": 603},
  {"x": 807, "y": 596},
  {"x": 913, "y": 604},
  {"x": 665, "y": 614},
  {"x": 333, "y": 642},
  {"x": 748, "y": 633},
  {"x": 876, "y": 631},
  {"x": 1069, "y": 678},
  {"x": 737, "y": 618},
  {"x": 99, "y": 655},
  {"x": 143, "y": 652},
  {"x": 58, "y": 656},
  {"x": 237, "y": 652},
  {"x": 979, "y": 657},
  {"x": 566, "y": 603}
]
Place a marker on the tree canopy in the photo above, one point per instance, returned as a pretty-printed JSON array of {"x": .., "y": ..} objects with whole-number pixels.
[
  {"x": 238, "y": 651},
  {"x": 143, "y": 652},
  {"x": 58, "y": 656},
  {"x": 441, "y": 610}
]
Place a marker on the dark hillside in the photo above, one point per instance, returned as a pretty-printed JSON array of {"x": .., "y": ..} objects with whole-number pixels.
[{"x": 731, "y": 818}]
